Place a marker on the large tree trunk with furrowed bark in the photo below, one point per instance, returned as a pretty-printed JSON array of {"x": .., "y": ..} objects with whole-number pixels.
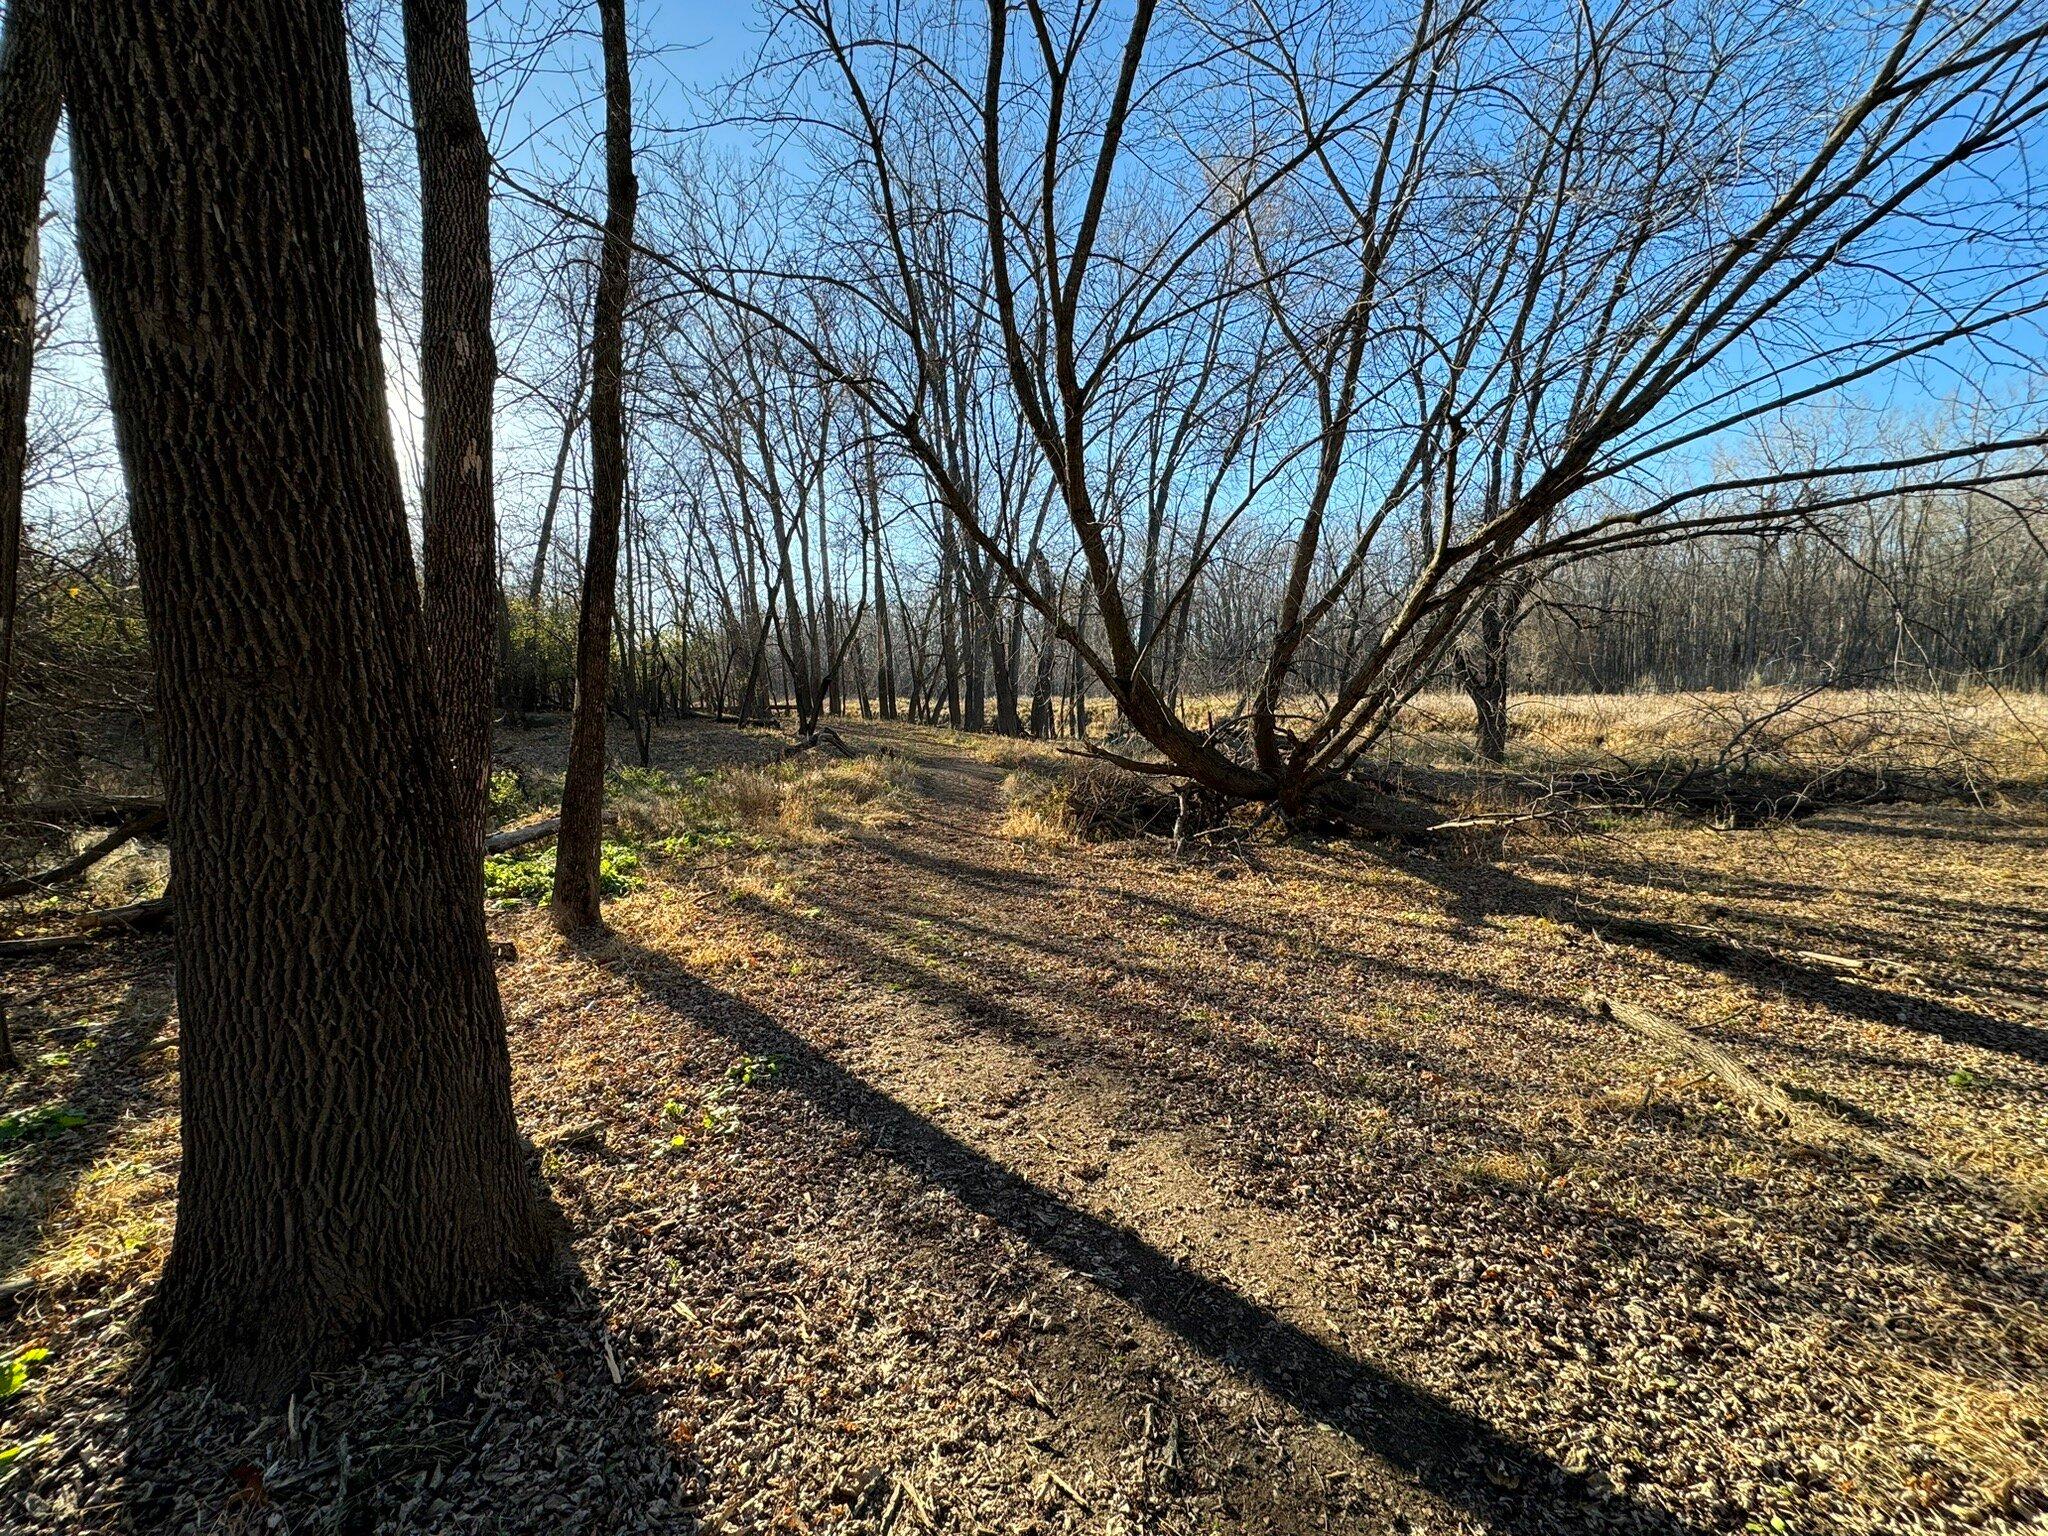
[
  {"x": 28, "y": 121},
  {"x": 458, "y": 369},
  {"x": 351, "y": 1168},
  {"x": 576, "y": 903}
]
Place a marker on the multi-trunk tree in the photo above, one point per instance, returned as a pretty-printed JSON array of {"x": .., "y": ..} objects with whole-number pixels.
[
  {"x": 1391, "y": 308},
  {"x": 351, "y": 1167}
]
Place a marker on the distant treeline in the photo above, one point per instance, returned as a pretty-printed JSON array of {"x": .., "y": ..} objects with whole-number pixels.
[{"x": 1930, "y": 592}]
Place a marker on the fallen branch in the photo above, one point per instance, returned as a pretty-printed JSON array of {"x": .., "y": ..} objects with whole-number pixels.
[
  {"x": 820, "y": 737},
  {"x": 137, "y": 917},
  {"x": 1760, "y": 1093},
  {"x": 81, "y": 809},
  {"x": 139, "y": 825},
  {"x": 518, "y": 837}
]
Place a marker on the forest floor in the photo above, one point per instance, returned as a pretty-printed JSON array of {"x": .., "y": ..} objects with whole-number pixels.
[{"x": 931, "y": 1171}]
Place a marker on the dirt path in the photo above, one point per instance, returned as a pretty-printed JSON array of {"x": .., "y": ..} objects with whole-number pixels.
[{"x": 926, "y": 1179}]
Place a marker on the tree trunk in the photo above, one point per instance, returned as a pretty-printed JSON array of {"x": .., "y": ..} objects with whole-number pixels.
[
  {"x": 1481, "y": 668},
  {"x": 885, "y": 661},
  {"x": 571, "y": 425},
  {"x": 351, "y": 1168},
  {"x": 28, "y": 121},
  {"x": 458, "y": 370},
  {"x": 576, "y": 904},
  {"x": 1041, "y": 691},
  {"x": 1488, "y": 691}
]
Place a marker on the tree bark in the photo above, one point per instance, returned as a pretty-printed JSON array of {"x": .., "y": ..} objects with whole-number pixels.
[
  {"x": 351, "y": 1167},
  {"x": 576, "y": 902},
  {"x": 1481, "y": 667},
  {"x": 458, "y": 370},
  {"x": 29, "y": 99}
]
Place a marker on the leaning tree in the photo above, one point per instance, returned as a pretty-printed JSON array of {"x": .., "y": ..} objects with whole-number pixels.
[
  {"x": 351, "y": 1166},
  {"x": 1422, "y": 297}
]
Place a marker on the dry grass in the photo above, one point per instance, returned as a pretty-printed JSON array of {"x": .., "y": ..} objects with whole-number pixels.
[
  {"x": 810, "y": 802},
  {"x": 1010, "y": 751},
  {"x": 1993, "y": 740},
  {"x": 1353, "y": 1088},
  {"x": 1039, "y": 809}
]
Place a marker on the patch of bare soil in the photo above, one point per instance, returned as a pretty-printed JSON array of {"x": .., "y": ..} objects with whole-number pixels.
[{"x": 927, "y": 1179}]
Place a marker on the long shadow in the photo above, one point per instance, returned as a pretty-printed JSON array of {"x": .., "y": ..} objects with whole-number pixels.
[
  {"x": 1453, "y": 1454},
  {"x": 1477, "y": 892},
  {"x": 980, "y": 1005}
]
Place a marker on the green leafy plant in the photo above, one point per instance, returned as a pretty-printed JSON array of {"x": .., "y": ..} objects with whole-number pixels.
[
  {"x": 15, "y": 1372},
  {"x": 525, "y": 875},
  {"x": 507, "y": 795},
  {"x": 747, "y": 1071},
  {"x": 34, "y": 1124}
]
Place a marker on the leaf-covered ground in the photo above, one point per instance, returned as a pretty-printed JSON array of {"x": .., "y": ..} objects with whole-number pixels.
[{"x": 930, "y": 1179}]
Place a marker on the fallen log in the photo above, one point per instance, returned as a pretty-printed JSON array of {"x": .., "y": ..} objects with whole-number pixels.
[
  {"x": 136, "y": 917},
  {"x": 143, "y": 916},
  {"x": 505, "y": 840},
  {"x": 139, "y": 825},
  {"x": 1760, "y": 1093}
]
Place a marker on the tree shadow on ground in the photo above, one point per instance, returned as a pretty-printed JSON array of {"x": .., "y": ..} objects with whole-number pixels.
[
  {"x": 1476, "y": 892},
  {"x": 507, "y": 1421},
  {"x": 42, "y": 1169},
  {"x": 510, "y": 1420},
  {"x": 1501, "y": 1482}
]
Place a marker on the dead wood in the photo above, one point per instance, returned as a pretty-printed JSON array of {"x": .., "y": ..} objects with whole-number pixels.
[
  {"x": 80, "y": 810},
  {"x": 1729, "y": 794},
  {"x": 136, "y": 917},
  {"x": 1107, "y": 802},
  {"x": 505, "y": 839},
  {"x": 140, "y": 825},
  {"x": 821, "y": 738},
  {"x": 508, "y": 838},
  {"x": 1359, "y": 807},
  {"x": 1759, "y": 1093}
]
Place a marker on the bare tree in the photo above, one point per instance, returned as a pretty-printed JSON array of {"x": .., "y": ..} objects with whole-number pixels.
[
  {"x": 1498, "y": 289},
  {"x": 29, "y": 100},
  {"x": 577, "y": 902}
]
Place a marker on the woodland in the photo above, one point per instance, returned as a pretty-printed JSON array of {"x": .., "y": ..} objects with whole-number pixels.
[{"x": 1023, "y": 766}]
